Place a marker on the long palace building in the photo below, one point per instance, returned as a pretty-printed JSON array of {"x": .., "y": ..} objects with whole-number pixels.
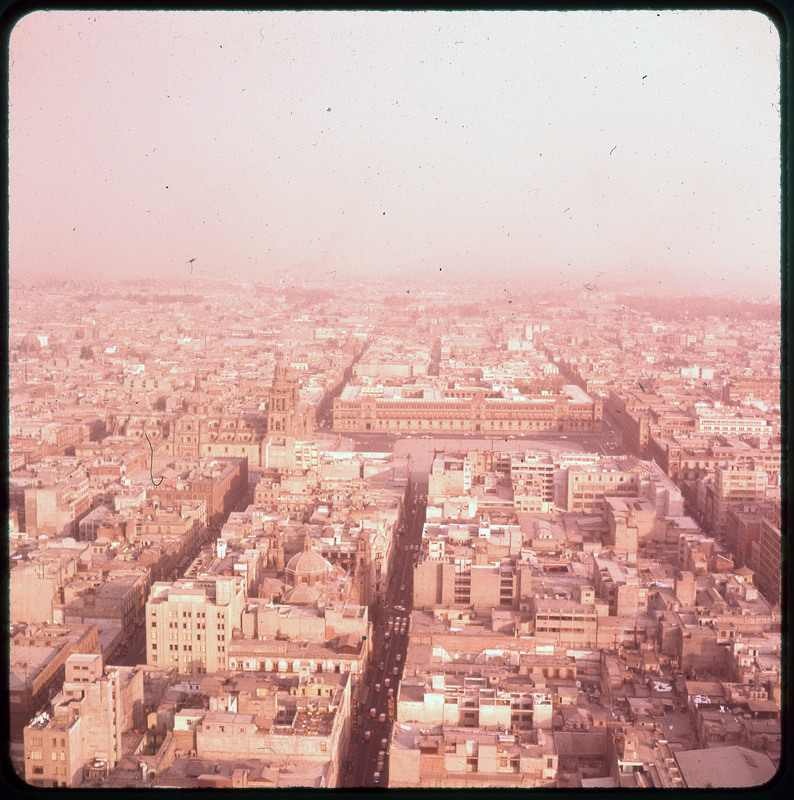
[{"x": 401, "y": 409}]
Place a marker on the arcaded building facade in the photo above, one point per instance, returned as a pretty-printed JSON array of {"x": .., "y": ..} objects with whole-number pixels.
[{"x": 400, "y": 409}]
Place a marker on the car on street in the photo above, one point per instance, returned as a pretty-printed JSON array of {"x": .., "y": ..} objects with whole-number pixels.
[
  {"x": 384, "y": 742},
  {"x": 380, "y": 665},
  {"x": 387, "y": 682},
  {"x": 395, "y": 670},
  {"x": 376, "y": 777},
  {"x": 382, "y": 717},
  {"x": 367, "y": 735},
  {"x": 377, "y": 687},
  {"x": 399, "y": 657},
  {"x": 391, "y": 691},
  {"x": 373, "y": 712}
]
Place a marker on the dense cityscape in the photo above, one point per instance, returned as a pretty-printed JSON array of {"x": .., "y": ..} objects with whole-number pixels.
[{"x": 354, "y": 533}]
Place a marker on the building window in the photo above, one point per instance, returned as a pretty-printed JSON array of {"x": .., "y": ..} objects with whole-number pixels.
[
  {"x": 36, "y": 755},
  {"x": 38, "y": 770}
]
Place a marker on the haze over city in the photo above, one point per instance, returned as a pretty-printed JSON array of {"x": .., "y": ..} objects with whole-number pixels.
[
  {"x": 629, "y": 149},
  {"x": 394, "y": 401}
]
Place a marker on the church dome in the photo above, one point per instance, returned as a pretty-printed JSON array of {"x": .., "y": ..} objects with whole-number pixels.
[
  {"x": 301, "y": 595},
  {"x": 30, "y": 344},
  {"x": 307, "y": 567},
  {"x": 199, "y": 400}
]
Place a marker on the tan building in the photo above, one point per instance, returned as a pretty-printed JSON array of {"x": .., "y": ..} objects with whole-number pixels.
[
  {"x": 450, "y": 476},
  {"x": 299, "y": 726},
  {"x": 83, "y": 734},
  {"x": 487, "y": 702},
  {"x": 440, "y": 581},
  {"x": 732, "y": 485},
  {"x": 37, "y": 581},
  {"x": 308, "y": 641},
  {"x": 532, "y": 480},
  {"x": 630, "y": 524},
  {"x": 221, "y": 482},
  {"x": 457, "y": 758},
  {"x": 189, "y": 623},
  {"x": 38, "y": 656},
  {"x": 767, "y": 564},
  {"x": 569, "y": 623},
  {"x": 57, "y": 510},
  {"x": 619, "y": 586},
  {"x": 587, "y": 486},
  {"x": 399, "y": 409}
]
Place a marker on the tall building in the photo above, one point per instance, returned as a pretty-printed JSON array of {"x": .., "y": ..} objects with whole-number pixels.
[
  {"x": 767, "y": 563},
  {"x": 94, "y": 707},
  {"x": 189, "y": 623}
]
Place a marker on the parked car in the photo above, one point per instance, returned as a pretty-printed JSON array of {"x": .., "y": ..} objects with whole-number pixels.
[
  {"x": 395, "y": 670},
  {"x": 382, "y": 717},
  {"x": 399, "y": 657},
  {"x": 376, "y": 777}
]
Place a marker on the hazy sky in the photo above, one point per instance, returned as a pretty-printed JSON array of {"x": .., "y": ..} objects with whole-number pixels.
[{"x": 549, "y": 145}]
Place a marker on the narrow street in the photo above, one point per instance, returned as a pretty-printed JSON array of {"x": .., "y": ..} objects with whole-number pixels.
[{"x": 367, "y": 760}]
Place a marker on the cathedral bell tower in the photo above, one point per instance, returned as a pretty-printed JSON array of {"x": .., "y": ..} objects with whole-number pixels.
[{"x": 284, "y": 400}]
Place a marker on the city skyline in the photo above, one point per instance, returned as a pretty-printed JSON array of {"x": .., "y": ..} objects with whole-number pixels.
[
  {"x": 555, "y": 149},
  {"x": 266, "y": 536}
]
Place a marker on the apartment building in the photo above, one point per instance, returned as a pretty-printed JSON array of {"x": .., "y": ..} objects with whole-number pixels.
[
  {"x": 587, "y": 486},
  {"x": 766, "y": 561},
  {"x": 569, "y": 623},
  {"x": 189, "y": 623},
  {"x": 57, "y": 510},
  {"x": 82, "y": 737},
  {"x": 459, "y": 758},
  {"x": 532, "y": 478}
]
